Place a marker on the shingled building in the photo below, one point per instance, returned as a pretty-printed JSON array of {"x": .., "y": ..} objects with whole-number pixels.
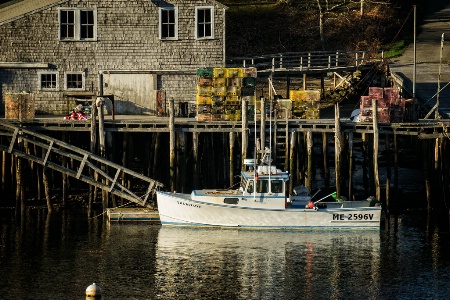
[{"x": 142, "y": 52}]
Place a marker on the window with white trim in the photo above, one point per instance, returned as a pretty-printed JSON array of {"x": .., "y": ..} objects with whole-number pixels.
[
  {"x": 77, "y": 24},
  {"x": 168, "y": 23},
  {"x": 204, "y": 22},
  {"x": 48, "y": 80},
  {"x": 75, "y": 81}
]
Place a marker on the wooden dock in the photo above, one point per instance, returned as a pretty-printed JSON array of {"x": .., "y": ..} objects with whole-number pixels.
[{"x": 133, "y": 215}]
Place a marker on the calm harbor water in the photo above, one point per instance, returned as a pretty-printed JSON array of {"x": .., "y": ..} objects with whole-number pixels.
[{"x": 58, "y": 256}]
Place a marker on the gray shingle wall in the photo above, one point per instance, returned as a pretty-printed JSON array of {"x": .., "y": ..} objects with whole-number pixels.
[{"x": 127, "y": 39}]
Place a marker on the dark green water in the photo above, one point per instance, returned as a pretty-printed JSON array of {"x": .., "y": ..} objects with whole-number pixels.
[{"x": 58, "y": 256}]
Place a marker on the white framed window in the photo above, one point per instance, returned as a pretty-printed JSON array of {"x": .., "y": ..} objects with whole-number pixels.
[
  {"x": 74, "y": 81},
  {"x": 168, "y": 23},
  {"x": 204, "y": 22},
  {"x": 48, "y": 80},
  {"x": 77, "y": 24}
]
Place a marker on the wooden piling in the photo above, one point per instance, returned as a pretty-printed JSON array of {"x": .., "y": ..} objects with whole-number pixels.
[
  {"x": 65, "y": 179},
  {"x": 375, "y": 150},
  {"x": 244, "y": 136},
  {"x": 172, "y": 145},
  {"x": 309, "y": 146},
  {"x": 102, "y": 143},
  {"x": 46, "y": 184},
  {"x": 3, "y": 175},
  {"x": 92, "y": 148},
  {"x": 195, "y": 136},
  {"x": 350, "y": 165},
  {"x": 181, "y": 158},
  {"x": 337, "y": 149},
  {"x": 326, "y": 171},
  {"x": 388, "y": 169},
  {"x": 292, "y": 161},
  {"x": 231, "y": 158},
  {"x": 262, "y": 134}
]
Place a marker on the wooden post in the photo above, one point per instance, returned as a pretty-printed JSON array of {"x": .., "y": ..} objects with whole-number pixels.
[
  {"x": 195, "y": 156},
  {"x": 181, "y": 157},
  {"x": 426, "y": 168},
  {"x": 350, "y": 165},
  {"x": 388, "y": 169},
  {"x": 322, "y": 85},
  {"x": 156, "y": 162},
  {"x": 232, "y": 138},
  {"x": 3, "y": 175},
  {"x": 46, "y": 184},
  {"x": 92, "y": 148},
  {"x": 309, "y": 146},
  {"x": 375, "y": 149},
  {"x": 304, "y": 81},
  {"x": 20, "y": 199},
  {"x": 172, "y": 144},
  {"x": 292, "y": 161},
  {"x": 326, "y": 171},
  {"x": 263, "y": 124},
  {"x": 110, "y": 155},
  {"x": 365, "y": 159},
  {"x": 337, "y": 150},
  {"x": 396, "y": 167},
  {"x": 244, "y": 134},
  {"x": 102, "y": 144},
  {"x": 101, "y": 126},
  {"x": 300, "y": 161},
  {"x": 65, "y": 179}
]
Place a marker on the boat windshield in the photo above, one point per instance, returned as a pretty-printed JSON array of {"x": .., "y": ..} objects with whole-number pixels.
[
  {"x": 276, "y": 186},
  {"x": 250, "y": 187},
  {"x": 262, "y": 186},
  {"x": 243, "y": 183}
]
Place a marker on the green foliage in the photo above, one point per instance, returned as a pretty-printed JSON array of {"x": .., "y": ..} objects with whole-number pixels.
[{"x": 395, "y": 49}]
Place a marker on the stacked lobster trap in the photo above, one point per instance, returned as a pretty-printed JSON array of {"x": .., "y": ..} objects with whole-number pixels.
[
  {"x": 305, "y": 103},
  {"x": 390, "y": 105},
  {"x": 220, "y": 92}
]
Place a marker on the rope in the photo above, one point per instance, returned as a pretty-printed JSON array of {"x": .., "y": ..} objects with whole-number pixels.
[{"x": 104, "y": 212}]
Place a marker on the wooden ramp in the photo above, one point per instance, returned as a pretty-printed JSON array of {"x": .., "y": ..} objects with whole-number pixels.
[{"x": 85, "y": 166}]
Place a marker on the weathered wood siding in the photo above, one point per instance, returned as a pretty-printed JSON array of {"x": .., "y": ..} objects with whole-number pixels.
[{"x": 127, "y": 40}]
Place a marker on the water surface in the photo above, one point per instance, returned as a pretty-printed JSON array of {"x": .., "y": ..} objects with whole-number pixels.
[{"x": 57, "y": 257}]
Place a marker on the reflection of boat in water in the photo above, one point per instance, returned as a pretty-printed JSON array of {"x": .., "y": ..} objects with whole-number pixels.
[
  {"x": 241, "y": 264},
  {"x": 261, "y": 202}
]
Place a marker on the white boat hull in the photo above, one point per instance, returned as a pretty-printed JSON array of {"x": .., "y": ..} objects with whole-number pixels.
[{"x": 180, "y": 210}]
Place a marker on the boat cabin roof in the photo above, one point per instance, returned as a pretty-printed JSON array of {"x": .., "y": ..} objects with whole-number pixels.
[{"x": 250, "y": 175}]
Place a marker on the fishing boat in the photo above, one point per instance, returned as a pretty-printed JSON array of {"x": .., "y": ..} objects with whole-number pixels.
[{"x": 262, "y": 202}]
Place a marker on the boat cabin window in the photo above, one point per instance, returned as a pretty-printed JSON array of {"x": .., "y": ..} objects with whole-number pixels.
[
  {"x": 262, "y": 186},
  {"x": 276, "y": 186},
  {"x": 250, "y": 187}
]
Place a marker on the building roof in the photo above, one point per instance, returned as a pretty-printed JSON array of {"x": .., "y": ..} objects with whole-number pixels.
[
  {"x": 25, "y": 7},
  {"x": 22, "y": 8}
]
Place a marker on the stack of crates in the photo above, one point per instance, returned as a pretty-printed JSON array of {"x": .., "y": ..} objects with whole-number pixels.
[
  {"x": 220, "y": 92},
  {"x": 390, "y": 106},
  {"x": 204, "y": 97},
  {"x": 305, "y": 103}
]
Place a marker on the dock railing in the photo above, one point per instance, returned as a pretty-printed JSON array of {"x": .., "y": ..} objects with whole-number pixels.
[
  {"x": 85, "y": 166},
  {"x": 305, "y": 61}
]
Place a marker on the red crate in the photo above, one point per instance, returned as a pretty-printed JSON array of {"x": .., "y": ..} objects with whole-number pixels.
[
  {"x": 376, "y": 92},
  {"x": 366, "y": 102},
  {"x": 391, "y": 93}
]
